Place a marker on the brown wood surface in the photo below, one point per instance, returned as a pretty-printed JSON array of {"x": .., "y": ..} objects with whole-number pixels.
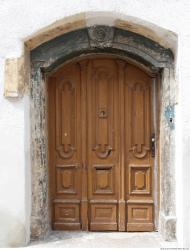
[{"x": 100, "y": 164}]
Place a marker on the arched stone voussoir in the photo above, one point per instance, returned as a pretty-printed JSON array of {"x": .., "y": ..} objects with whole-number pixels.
[{"x": 101, "y": 39}]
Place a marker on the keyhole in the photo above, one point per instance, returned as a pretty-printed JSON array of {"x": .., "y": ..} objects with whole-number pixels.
[
  {"x": 103, "y": 114},
  {"x": 171, "y": 119}
]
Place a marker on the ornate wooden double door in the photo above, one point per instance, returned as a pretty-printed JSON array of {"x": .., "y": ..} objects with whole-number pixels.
[{"x": 101, "y": 168}]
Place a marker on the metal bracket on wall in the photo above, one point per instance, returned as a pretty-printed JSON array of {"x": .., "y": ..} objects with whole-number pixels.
[{"x": 170, "y": 116}]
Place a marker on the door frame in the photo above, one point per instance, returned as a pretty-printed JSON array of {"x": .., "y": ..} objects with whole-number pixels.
[{"x": 145, "y": 53}]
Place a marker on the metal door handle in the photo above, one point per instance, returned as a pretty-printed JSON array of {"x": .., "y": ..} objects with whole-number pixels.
[{"x": 153, "y": 145}]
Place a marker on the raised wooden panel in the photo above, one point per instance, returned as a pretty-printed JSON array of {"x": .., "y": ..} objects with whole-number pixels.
[
  {"x": 140, "y": 217},
  {"x": 66, "y": 118},
  {"x": 138, "y": 159},
  {"x": 67, "y": 216},
  {"x": 102, "y": 145},
  {"x": 103, "y": 217},
  {"x": 102, "y": 111},
  {"x": 103, "y": 179},
  {"x": 139, "y": 101},
  {"x": 66, "y": 179},
  {"x": 64, "y": 144},
  {"x": 139, "y": 179}
]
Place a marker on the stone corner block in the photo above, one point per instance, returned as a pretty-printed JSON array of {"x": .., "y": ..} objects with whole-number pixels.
[
  {"x": 168, "y": 227},
  {"x": 14, "y": 77}
]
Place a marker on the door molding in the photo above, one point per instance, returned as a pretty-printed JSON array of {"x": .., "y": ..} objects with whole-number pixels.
[{"x": 133, "y": 47}]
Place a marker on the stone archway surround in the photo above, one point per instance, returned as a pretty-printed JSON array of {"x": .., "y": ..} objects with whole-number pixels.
[{"x": 100, "y": 39}]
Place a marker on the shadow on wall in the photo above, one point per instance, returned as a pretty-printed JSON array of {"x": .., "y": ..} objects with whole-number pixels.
[{"x": 13, "y": 233}]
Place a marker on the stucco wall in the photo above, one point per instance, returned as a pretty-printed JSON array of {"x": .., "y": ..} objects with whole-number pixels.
[{"x": 19, "y": 20}]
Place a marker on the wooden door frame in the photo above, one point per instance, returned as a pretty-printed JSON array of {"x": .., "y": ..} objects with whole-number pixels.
[{"x": 144, "y": 52}]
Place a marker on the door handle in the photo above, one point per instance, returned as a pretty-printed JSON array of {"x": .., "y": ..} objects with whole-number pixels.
[{"x": 153, "y": 145}]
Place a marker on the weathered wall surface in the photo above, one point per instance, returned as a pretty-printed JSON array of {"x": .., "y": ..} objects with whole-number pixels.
[{"x": 27, "y": 21}]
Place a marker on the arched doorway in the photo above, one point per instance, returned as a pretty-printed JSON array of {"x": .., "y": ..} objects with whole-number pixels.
[
  {"x": 151, "y": 58},
  {"x": 102, "y": 146}
]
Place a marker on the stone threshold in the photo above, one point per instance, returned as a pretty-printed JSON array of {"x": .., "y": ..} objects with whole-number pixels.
[{"x": 79, "y": 239}]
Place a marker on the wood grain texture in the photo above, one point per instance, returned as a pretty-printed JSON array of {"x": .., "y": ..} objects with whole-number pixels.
[{"x": 101, "y": 175}]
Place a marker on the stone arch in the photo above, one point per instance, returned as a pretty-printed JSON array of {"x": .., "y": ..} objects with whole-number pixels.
[
  {"x": 99, "y": 39},
  {"x": 81, "y": 20},
  {"x": 46, "y": 57}
]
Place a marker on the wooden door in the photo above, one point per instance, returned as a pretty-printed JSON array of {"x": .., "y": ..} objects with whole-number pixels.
[
  {"x": 138, "y": 155},
  {"x": 65, "y": 148},
  {"x": 103, "y": 144},
  {"x": 100, "y": 161}
]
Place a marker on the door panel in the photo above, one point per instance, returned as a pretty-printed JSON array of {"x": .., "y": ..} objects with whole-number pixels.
[
  {"x": 103, "y": 217},
  {"x": 101, "y": 169},
  {"x": 102, "y": 90},
  {"x": 66, "y": 154},
  {"x": 138, "y": 156}
]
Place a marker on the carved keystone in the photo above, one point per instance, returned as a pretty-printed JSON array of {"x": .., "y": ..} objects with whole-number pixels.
[{"x": 101, "y": 36}]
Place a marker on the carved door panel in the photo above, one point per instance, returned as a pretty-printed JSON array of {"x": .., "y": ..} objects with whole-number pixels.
[
  {"x": 102, "y": 147},
  {"x": 100, "y": 164},
  {"x": 138, "y": 159},
  {"x": 65, "y": 148}
]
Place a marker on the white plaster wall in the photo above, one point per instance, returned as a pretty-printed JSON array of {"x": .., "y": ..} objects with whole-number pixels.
[{"x": 19, "y": 20}]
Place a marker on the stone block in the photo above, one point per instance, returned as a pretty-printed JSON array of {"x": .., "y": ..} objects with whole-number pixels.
[
  {"x": 168, "y": 227},
  {"x": 14, "y": 77}
]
